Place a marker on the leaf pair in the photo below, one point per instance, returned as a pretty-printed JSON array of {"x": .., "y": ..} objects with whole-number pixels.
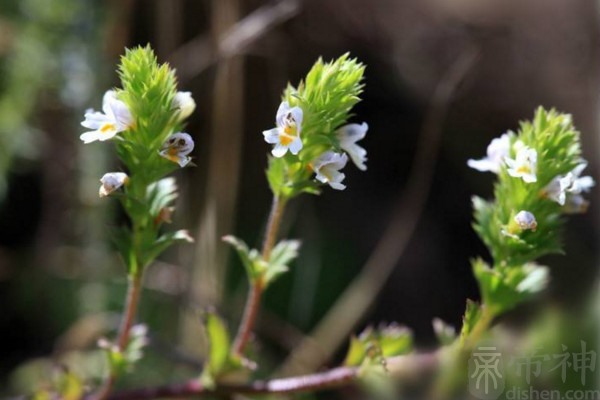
[
  {"x": 502, "y": 288},
  {"x": 266, "y": 270}
]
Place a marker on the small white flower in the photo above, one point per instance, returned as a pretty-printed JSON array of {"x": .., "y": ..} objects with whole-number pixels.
[
  {"x": 177, "y": 147},
  {"x": 287, "y": 134},
  {"x": 328, "y": 166},
  {"x": 556, "y": 189},
  {"x": 579, "y": 184},
  {"x": 524, "y": 165},
  {"x": 497, "y": 150},
  {"x": 526, "y": 220},
  {"x": 184, "y": 103},
  {"x": 348, "y": 135},
  {"x": 112, "y": 181},
  {"x": 116, "y": 118},
  {"x": 571, "y": 183}
]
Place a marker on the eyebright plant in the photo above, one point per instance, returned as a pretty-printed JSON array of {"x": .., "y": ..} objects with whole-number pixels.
[
  {"x": 538, "y": 181},
  {"x": 143, "y": 120}
]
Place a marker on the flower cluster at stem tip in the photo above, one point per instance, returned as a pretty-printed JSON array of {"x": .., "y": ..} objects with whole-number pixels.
[
  {"x": 116, "y": 118},
  {"x": 539, "y": 171},
  {"x": 312, "y": 139}
]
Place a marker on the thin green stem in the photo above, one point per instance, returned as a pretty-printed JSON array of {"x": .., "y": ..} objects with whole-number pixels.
[{"x": 257, "y": 286}]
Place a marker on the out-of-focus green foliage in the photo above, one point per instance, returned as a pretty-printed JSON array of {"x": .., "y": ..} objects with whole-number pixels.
[
  {"x": 44, "y": 52},
  {"x": 386, "y": 341}
]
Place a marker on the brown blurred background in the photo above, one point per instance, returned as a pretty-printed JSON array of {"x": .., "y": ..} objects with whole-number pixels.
[{"x": 443, "y": 78}]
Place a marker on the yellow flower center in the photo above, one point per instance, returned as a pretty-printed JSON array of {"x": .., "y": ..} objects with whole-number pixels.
[
  {"x": 108, "y": 127},
  {"x": 524, "y": 169},
  {"x": 288, "y": 135}
]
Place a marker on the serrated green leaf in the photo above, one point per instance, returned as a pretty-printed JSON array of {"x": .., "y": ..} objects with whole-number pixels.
[
  {"x": 470, "y": 319},
  {"x": 386, "y": 341},
  {"x": 251, "y": 259},
  {"x": 281, "y": 255},
  {"x": 505, "y": 287}
]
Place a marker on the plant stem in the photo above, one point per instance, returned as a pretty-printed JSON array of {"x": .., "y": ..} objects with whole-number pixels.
[
  {"x": 257, "y": 286},
  {"x": 401, "y": 367},
  {"x": 131, "y": 304}
]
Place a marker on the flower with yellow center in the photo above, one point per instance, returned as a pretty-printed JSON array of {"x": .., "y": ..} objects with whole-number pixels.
[
  {"x": 286, "y": 136},
  {"x": 524, "y": 166},
  {"x": 105, "y": 125}
]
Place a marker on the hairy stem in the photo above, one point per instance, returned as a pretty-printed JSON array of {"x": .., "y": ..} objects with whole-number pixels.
[
  {"x": 257, "y": 287},
  {"x": 401, "y": 367},
  {"x": 131, "y": 304}
]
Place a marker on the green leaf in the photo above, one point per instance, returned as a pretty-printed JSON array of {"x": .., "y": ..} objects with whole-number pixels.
[
  {"x": 281, "y": 255},
  {"x": 251, "y": 259},
  {"x": 395, "y": 340},
  {"x": 221, "y": 363},
  {"x": 470, "y": 319},
  {"x": 356, "y": 352},
  {"x": 505, "y": 287},
  {"x": 386, "y": 341},
  {"x": 164, "y": 242},
  {"x": 219, "y": 343}
]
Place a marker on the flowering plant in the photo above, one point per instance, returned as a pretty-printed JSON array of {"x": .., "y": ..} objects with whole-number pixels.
[{"x": 538, "y": 182}]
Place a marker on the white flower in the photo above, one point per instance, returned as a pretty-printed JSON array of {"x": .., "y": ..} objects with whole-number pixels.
[
  {"x": 287, "y": 134},
  {"x": 328, "y": 166},
  {"x": 526, "y": 220},
  {"x": 524, "y": 165},
  {"x": 497, "y": 150},
  {"x": 177, "y": 147},
  {"x": 185, "y": 104},
  {"x": 112, "y": 181},
  {"x": 579, "y": 184},
  {"x": 116, "y": 118},
  {"x": 571, "y": 183},
  {"x": 348, "y": 135}
]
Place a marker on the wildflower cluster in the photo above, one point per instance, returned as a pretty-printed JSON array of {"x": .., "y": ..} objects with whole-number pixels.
[
  {"x": 143, "y": 119},
  {"x": 312, "y": 140},
  {"x": 539, "y": 180},
  {"x": 539, "y": 173}
]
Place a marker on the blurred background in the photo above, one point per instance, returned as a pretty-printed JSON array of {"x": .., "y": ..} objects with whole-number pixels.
[{"x": 443, "y": 78}]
